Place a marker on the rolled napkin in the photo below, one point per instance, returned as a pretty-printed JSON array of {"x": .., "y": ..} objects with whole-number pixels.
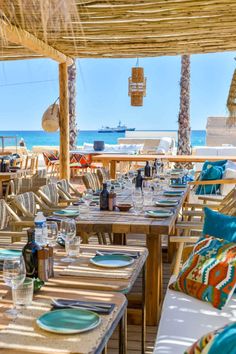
[{"x": 103, "y": 308}]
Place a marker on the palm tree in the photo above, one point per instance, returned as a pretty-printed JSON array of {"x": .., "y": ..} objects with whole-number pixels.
[
  {"x": 184, "y": 129},
  {"x": 72, "y": 104}
]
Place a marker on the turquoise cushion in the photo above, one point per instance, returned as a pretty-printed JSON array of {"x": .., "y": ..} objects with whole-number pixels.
[
  {"x": 219, "y": 225},
  {"x": 225, "y": 341},
  {"x": 208, "y": 164},
  {"x": 210, "y": 174}
]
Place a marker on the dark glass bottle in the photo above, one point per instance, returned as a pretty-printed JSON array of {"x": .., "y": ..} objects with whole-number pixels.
[
  {"x": 147, "y": 170},
  {"x": 104, "y": 198},
  {"x": 30, "y": 254},
  {"x": 139, "y": 180}
]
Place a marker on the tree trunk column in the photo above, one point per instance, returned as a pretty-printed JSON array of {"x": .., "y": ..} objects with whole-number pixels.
[
  {"x": 184, "y": 113},
  {"x": 64, "y": 122},
  {"x": 72, "y": 104}
]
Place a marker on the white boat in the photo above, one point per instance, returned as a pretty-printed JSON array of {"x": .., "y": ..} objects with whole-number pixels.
[{"x": 119, "y": 129}]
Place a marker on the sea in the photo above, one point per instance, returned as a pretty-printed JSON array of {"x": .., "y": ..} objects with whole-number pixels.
[{"x": 40, "y": 137}]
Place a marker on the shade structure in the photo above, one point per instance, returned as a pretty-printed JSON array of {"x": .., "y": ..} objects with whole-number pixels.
[{"x": 115, "y": 28}]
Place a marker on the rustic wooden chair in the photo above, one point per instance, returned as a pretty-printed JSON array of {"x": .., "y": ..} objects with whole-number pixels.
[
  {"x": 103, "y": 175},
  {"x": 91, "y": 181},
  {"x": 68, "y": 190},
  {"x": 27, "y": 204},
  {"x": 50, "y": 194},
  {"x": 52, "y": 162},
  {"x": 192, "y": 221},
  {"x": 7, "y": 220}
]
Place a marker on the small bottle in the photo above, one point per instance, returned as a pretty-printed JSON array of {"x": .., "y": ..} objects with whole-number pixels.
[
  {"x": 147, "y": 170},
  {"x": 50, "y": 262},
  {"x": 30, "y": 254},
  {"x": 40, "y": 226},
  {"x": 139, "y": 180},
  {"x": 43, "y": 264},
  {"x": 112, "y": 199},
  {"x": 104, "y": 198}
]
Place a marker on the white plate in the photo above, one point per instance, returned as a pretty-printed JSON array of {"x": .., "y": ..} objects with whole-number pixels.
[{"x": 159, "y": 213}]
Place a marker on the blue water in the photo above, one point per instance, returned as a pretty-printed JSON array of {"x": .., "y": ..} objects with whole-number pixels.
[{"x": 32, "y": 138}]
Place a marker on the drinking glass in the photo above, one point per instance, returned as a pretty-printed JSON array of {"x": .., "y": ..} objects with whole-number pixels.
[
  {"x": 83, "y": 211},
  {"x": 23, "y": 294},
  {"x": 68, "y": 231},
  {"x": 88, "y": 196},
  {"x": 13, "y": 275},
  {"x": 52, "y": 233},
  {"x": 73, "y": 247},
  {"x": 137, "y": 198}
]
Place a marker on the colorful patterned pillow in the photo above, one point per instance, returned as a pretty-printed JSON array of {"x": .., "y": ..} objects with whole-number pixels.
[
  {"x": 220, "y": 341},
  {"x": 209, "y": 274}
]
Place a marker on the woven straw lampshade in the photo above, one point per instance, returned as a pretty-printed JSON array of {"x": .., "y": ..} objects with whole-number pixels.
[
  {"x": 137, "y": 86},
  {"x": 50, "y": 120}
]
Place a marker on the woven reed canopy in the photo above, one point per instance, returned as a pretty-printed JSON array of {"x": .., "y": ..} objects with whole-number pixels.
[{"x": 115, "y": 28}]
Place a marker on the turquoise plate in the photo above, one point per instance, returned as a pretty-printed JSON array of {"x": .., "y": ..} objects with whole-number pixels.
[
  {"x": 68, "y": 321},
  {"x": 167, "y": 202},
  {"x": 4, "y": 254},
  {"x": 173, "y": 193},
  {"x": 112, "y": 261},
  {"x": 66, "y": 212},
  {"x": 159, "y": 213}
]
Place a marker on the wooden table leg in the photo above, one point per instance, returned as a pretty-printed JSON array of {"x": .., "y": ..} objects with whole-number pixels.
[
  {"x": 113, "y": 169},
  {"x": 118, "y": 239},
  {"x": 144, "y": 309},
  {"x": 154, "y": 279},
  {"x": 1, "y": 189},
  {"x": 123, "y": 334}
]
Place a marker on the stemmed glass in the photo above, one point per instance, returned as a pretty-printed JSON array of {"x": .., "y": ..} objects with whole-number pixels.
[
  {"x": 52, "y": 233},
  {"x": 14, "y": 275},
  {"x": 68, "y": 232},
  {"x": 137, "y": 198},
  {"x": 147, "y": 187}
]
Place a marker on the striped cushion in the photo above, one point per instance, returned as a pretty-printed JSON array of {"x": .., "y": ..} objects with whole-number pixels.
[
  {"x": 210, "y": 272},
  {"x": 26, "y": 201},
  {"x": 4, "y": 215},
  {"x": 51, "y": 192}
]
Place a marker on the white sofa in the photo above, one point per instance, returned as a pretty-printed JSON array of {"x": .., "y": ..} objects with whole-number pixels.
[
  {"x": 185, "y": 319},
  {"x": 116, "y": 148}
]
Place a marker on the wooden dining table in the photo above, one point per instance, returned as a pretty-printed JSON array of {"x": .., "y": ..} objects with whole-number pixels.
[
  {"x": 83, "y": 275},
  {"x": 23, "y": 336},
  {"x": 110, "y": 160},
  {"x": 119, "y": 223}
]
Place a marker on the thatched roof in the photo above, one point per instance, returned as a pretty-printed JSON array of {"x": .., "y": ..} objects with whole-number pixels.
[{"x": 128, "y": 28}]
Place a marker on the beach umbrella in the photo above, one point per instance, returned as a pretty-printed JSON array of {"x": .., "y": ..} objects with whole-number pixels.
[{"x": 184, "y": 130}]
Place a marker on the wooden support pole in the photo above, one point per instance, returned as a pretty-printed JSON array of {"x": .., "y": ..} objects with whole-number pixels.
[
  {"x": 19, "y": 36},
  {"x": 64, "y": 123}
]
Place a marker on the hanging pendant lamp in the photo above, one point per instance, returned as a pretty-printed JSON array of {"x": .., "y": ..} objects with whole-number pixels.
[{"x": 137, "y": 85}]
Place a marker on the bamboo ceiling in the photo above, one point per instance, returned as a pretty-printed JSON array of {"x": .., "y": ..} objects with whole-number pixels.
[{"x": 128, "y": 28}]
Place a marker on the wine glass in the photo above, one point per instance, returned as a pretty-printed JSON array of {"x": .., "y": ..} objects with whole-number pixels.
[
  {"x": 68, "y": 231},
  {"x": 52, "y": 232},
  {"x": 88, "y": 196},
  {"x": 13, "y": 275}
]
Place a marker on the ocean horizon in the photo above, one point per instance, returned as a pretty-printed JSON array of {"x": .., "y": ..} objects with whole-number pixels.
[{"x": 40, "y": 137}]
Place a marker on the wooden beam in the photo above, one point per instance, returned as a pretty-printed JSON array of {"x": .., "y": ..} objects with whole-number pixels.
[
  {"x": 64, "y": 123},
  {"x": 16, "y": 35}
]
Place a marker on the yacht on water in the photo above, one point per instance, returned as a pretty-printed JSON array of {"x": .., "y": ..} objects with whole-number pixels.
[{"x": 119, "y": 129}]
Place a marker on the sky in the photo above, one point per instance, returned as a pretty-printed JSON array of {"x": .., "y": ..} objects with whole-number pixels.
[{"x": 28, "y": 87}]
